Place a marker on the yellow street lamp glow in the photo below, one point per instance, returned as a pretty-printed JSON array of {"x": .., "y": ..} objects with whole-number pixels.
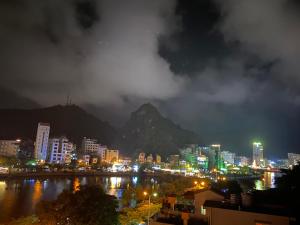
[
  {"x": 154, "y": 194},
  {"x": 202, "y": 183},
  {"x": 145, "y": 193},
  {"x": 196, "y": 182}
]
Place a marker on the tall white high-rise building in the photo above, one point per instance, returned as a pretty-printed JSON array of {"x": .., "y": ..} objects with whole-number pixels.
[
  {"x": 41, "y": 141},
  {"x": 258, "y": 154}
]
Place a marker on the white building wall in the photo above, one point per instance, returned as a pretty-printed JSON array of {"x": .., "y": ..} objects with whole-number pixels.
[
  {"x": 41, "y": 142},
  {"x": 60, "y": 150}
]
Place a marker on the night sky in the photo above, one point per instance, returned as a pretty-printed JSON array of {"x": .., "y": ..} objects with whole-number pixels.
[{"x": 228, "y": 70}]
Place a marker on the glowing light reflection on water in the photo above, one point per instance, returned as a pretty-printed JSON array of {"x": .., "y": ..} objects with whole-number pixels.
[
  {"x": 18, "y": 197},
  {"x": 267, "y": 181}
]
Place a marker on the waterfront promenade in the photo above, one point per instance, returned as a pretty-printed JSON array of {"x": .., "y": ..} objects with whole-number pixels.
[{"x": 68, "y": 174}]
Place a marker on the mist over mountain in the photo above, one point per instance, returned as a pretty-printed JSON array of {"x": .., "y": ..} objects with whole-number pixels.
[{"x": 10, "y": 99}]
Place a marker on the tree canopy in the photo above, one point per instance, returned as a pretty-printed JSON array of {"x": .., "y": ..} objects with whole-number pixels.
[{"x": 88, "y": 206}]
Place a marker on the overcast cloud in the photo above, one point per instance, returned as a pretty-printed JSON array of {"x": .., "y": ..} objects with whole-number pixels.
[
  {"x": 97, "y": 56},
  {"x": 226, "y": 69},
  {"x": 269, "y": 29}
]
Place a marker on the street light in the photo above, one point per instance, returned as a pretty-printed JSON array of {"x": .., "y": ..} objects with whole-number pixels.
[
  {"x": 149, "y": 202},
  {"x": 202, "y": 183}
]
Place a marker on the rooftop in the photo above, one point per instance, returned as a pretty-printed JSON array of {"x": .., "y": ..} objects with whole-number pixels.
[
  {"x": 191, "y": 194},
  {"x": 271, "y": 210}
]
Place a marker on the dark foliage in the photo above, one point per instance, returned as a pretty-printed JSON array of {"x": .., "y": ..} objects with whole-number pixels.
[
  {"x": 88, "y": 206},
  {"x": 288, "y": 185}
]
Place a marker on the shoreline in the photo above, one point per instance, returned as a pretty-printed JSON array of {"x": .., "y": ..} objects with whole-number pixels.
[
  {"x": 65, "y": 174},
  {"x": 103, "y": 174}
]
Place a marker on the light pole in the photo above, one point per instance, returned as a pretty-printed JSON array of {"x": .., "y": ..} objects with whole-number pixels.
[{"x": 149, "y": 202}]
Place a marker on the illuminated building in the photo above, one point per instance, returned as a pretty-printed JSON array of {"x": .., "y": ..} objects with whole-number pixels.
[
  {"x": 158, "y": 159},
  {"x": 202, "y": 162},
  {"x": 293, "y": 159},
  {"x": 282, "y": 163},
  {"x": 71, "y": 149},
  {"x": 258, "y": 154},
  {"x": 241, "y": 161},
  {"x": 149, "y": 158},
  {"x": 228, "y": 157},
  {"x": 94, "y": 160},
  {"x": 41, "y": 142},
  {"x": 174, "y": 160},
  {"x": 214, "y": 157},
  {"x": 9, "y": 147},
  {"x": 190, "y": 154},
  {"x": 101, "y": 152},
  {"x": 111, "y": 155},
  {"x": 182, "y": 164},
  {"x": 125, "y": 161},
  {"x": 86, "y": 159},
  {"x": 142, "y": 157},
  {"x": 204, "y": 149},
  {"x": 60, "y": 150},
  {"x": 89, "y": 146}
]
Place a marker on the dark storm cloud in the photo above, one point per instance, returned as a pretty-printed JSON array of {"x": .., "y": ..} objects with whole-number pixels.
[{"x": 96, "y": 51}]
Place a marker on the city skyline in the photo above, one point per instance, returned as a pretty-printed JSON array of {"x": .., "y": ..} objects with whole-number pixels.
[{"x": 247, "y": 151}]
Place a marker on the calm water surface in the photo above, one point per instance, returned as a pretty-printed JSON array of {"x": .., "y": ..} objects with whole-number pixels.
[{"x": 18, "y": 197}]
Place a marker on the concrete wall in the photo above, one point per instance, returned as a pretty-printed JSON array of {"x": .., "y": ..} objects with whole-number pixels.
[
  {"x": 201, "y": 197},
  {"x": 219, "y": 216}
]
